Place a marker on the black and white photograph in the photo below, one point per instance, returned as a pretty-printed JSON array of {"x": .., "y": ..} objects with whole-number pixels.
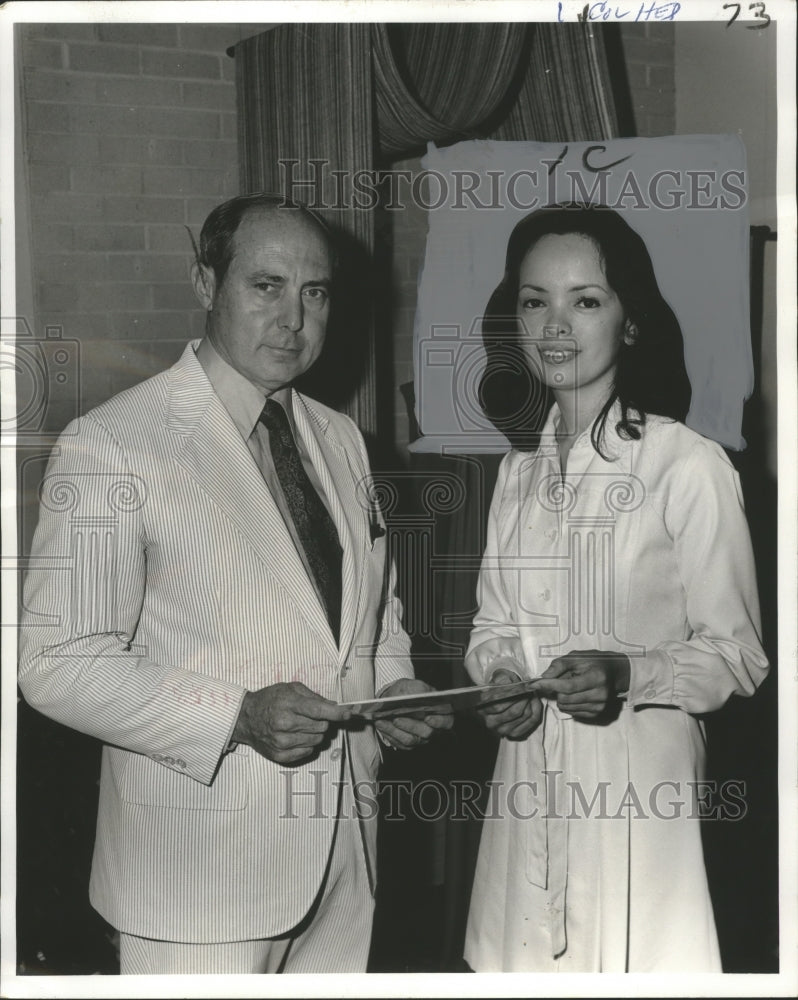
[{"x": 399, "y": 452}]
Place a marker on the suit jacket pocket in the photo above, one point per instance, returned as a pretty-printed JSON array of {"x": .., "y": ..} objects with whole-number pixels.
[{"x": 144, "y": 782}]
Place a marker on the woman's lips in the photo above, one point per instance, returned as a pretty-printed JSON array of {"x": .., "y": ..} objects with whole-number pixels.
[{"x": 557, "y": 356}]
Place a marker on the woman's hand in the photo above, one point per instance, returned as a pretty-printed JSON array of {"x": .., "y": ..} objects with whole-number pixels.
[
  {"x": 513, "y": 718},
  {"x": 587, "y": 682}
]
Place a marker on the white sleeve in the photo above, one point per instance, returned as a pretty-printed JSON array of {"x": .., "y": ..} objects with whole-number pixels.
[
  {"x": 722, "y": 655},
  {"x": 79, "y": 663}
]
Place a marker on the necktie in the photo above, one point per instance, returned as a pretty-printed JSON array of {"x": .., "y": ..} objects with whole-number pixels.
[{"x": 313, "y": 524}]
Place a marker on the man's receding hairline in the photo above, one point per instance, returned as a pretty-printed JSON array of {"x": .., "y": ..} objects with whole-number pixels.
[
  {"x": 289, "y": 213},
  {"x": 286, "y": 214}
]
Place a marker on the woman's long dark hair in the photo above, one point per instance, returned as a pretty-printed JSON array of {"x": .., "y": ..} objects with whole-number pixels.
[{"x": 650, "y": 376}]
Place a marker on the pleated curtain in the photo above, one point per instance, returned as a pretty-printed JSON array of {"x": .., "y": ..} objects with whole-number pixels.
[{"x": 305, "y": 93}]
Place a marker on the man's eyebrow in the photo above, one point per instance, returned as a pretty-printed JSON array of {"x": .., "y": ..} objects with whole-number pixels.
[
  {"x": 266, "y": 276},
  {"x": 277, "y": 279}
]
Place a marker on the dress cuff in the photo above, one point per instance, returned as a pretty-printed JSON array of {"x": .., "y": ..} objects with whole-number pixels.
[
  {"x": 484, "y": 659},
  {"x": 650, "y": 679}
]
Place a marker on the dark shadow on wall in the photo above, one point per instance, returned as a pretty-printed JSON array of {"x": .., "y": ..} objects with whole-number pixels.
[
  {"x": 338, "y": 372},
  {"x": 742, "y": 852},
  {"x": 58, "y": 932},
  {"x": 741, "y": 846}
]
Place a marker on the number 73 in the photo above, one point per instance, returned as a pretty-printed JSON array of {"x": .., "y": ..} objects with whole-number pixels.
[{"x": 760, "y": 14}]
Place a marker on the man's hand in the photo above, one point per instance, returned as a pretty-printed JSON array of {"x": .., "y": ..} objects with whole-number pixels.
[
  {"x": 286, "y": 723},
  {"x": 515, "y": 718},
  {"x": 587, "y": 682},
  {"x": 403, "y": 731}
]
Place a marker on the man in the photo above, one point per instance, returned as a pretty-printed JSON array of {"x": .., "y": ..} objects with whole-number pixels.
[{"x": 226, "y": 592}]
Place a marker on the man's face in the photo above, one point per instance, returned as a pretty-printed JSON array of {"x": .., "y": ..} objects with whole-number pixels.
[{"x": 268, "y": 317}]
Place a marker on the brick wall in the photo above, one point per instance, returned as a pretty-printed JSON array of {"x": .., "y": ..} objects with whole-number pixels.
[
  {"x": 129, "y": 135},
  {"x": 649, "y": 56}
]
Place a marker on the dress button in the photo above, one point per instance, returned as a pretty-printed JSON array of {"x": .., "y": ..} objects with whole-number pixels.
[{"x": 336, "y": 754}]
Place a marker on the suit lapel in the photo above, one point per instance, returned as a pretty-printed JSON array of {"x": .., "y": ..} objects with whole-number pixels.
[
  {"x": 210, "y": 449},
  {"x": 339, "y": 481}
]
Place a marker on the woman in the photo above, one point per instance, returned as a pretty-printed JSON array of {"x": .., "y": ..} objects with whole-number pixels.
[{"x": 618, "y": 569}]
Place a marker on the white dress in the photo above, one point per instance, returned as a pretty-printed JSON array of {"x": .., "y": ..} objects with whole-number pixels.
[{"x": 591, "y": 857}]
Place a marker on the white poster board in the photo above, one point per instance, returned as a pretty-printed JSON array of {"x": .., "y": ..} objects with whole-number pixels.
[{"x": 685, "y": 195}]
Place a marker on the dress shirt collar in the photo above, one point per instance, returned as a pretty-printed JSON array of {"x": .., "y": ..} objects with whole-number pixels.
[
  {"x": 242, "y": 400},
  {"x": 613, "y": 441}
]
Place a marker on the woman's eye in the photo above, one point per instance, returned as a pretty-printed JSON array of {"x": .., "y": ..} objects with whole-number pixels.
[
  {"x": 588, "y": 302},
  {"x": 530, "y": 303}
]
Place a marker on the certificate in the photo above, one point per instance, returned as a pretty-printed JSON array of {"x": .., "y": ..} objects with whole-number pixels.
[{"x": 454, "y": 699}]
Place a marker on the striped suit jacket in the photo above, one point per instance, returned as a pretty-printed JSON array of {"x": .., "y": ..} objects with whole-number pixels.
[{"x": 164, "y": 583}]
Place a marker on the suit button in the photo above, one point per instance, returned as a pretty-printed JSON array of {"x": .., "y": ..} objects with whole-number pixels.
[{"x": 336, "y": 754}]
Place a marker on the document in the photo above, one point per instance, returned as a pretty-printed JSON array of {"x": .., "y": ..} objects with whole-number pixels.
[{"x": 427, "y": 702}]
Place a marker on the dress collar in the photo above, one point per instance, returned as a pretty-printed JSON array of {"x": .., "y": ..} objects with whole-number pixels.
[{"x": 613, "y": 442}]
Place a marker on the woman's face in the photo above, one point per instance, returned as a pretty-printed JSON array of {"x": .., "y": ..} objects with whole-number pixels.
[{"x": 572, "y": 323}]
